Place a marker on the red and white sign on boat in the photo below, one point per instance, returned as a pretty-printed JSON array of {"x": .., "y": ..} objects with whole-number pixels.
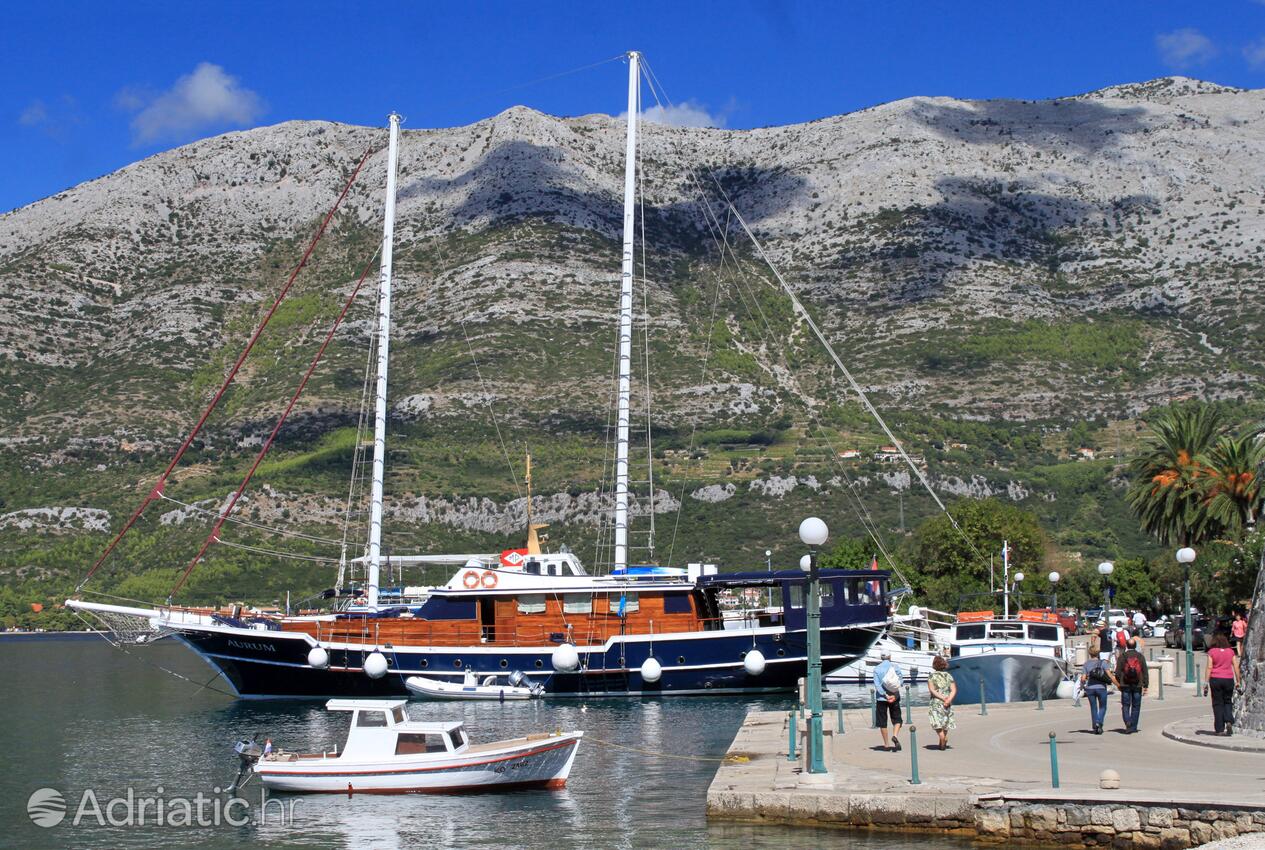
[{"x": 513, "y": 558}]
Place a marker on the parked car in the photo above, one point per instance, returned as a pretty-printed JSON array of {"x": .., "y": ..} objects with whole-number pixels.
[{"x": 1200, "y": 634}]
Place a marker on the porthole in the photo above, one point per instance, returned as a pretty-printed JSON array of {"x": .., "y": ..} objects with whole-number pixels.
[
  {"x": 780, "y": 652},
  {"x": 680, "y": 659},
  {"x": 539, "y": 664},
  {"x": 504, "y": 664},
  {"x": 425, "y": 663},
  {"x": 456, "y": 662}
]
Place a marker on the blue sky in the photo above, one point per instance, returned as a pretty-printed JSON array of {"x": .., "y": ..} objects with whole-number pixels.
[{"x": 90, "y": 87}]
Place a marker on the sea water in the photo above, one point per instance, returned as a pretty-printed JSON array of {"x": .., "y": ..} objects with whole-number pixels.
[{"x": 129, "y": 747}]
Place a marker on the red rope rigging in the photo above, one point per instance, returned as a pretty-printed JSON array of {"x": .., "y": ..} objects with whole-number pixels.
[
  {"x": 228, "y": 509},
  {"x": 156, "y": 492}
]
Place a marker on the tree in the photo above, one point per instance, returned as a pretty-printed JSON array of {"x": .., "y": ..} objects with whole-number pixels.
[
  {"x": 849, "y": 554},
  {"x": 949, "y": 562},
  {"x": 1168, "y": 493},
  {"x": 1232, "y": 488}
]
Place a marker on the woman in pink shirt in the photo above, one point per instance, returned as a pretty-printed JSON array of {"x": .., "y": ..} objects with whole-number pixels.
[
  {"x": 1223, "y": 678},
  {"x": 1238, "y": 631}
]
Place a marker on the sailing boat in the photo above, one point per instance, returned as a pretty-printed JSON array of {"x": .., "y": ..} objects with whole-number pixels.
[{"x": 538, "y": 617}]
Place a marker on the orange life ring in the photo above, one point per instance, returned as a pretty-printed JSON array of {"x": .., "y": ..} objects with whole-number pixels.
[
  {"x": 488, "y": 580},
  {"x": 470, "y": 579}
]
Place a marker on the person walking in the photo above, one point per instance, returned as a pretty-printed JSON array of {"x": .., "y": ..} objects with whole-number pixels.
[
  {"x": 1238, "y": 631},
  {"x": 1223, "y": 677},
  {"x": 1132, "y": 678},
  {"x": 887, "y": 684},
  {"x": 943, "y": 691},
  {"x": 1106, "y": 645},
  {"x": 1095, "y": 677}
]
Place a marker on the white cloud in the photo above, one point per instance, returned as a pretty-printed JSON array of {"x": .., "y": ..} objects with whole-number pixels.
[
  {"x": 1185, "y": 47},
  {"x": 36, "y": 113},
  {"x": 205, "y": 98},
  {"x": 1254, "y": 53},
  {"x": 687, "y": 114}
]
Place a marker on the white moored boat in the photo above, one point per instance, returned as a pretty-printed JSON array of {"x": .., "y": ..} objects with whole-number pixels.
[
  {"x": 387, "y": 753},
  {"x": 492, "y": 688}
]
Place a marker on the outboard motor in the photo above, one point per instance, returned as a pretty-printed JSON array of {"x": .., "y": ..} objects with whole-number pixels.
[
  {"x": 516, "y": 678},
  {"x": 248, "y": 753}
]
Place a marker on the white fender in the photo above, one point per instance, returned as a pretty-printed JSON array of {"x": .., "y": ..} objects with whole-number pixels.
[
  {"x": 317, "y": 657},
  {"x": 375, "y": 665}
]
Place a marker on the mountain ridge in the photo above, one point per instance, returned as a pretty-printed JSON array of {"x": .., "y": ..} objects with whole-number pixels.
[{"x": 1044, "y": 270}]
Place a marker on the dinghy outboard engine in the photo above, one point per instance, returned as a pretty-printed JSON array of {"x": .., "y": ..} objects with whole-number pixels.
[
  {"x": 518, "y": 679},
  {"x": 248, "y": 753}
]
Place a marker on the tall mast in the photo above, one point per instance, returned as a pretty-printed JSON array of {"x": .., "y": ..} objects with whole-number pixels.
[
  {"x": 625, "y": 322},
  {"x": 384, "y": 345}
]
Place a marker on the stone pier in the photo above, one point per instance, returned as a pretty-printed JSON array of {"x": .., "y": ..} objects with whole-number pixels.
[{"x": 994, "y": 783}]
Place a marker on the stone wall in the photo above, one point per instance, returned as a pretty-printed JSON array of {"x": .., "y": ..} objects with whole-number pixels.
[
  {"x": 996, "y": 819},
  {"x": 1085, "y": 825}
]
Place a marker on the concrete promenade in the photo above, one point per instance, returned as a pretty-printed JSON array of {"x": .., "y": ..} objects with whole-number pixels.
[{"x": 995, "y": 780}]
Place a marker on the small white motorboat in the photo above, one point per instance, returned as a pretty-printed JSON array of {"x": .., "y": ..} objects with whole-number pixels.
[
  {"x": 387, "y": 753},
  {"x": 514, "y": 686}
]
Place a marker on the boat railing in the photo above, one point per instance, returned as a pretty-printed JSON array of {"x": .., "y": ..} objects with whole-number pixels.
[{"x": 377, "y": 633}]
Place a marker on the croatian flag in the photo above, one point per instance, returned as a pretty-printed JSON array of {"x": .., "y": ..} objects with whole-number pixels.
[{"x": 874, "y": 587}]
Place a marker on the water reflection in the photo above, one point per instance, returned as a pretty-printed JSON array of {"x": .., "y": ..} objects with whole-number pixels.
[{"x": 86, "y": 716}]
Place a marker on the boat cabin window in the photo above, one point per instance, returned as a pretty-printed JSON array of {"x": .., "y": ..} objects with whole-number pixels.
[
  {"x": 398, "y": 714},
  {"x": 576, "y": 603},
  {"x": 827, "y": 594},
  {"x": 1043, "y": 632},
  {"x": 408, "y": 743},
  {"x": 797, "y": 595},
  {"x": 365, "y": 717},
  {"x": 457, "y": 737},
  {"x": 975, "y": 631},
  {"x": 553, "y": 569},
  {"x": 631, "y": 603},
  {"x": 676, "y": 603},
  {"x": 532, "y": 568},
  {"x": 531, "y": 603},
  {"x": 1006, "y": 630},
  {"x": 864, "y": 591}
]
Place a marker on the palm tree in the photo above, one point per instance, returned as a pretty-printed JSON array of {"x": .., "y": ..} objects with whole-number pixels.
[
  {"x": 1168, "y": 490},
  {"x": 1232, "y": 488}
]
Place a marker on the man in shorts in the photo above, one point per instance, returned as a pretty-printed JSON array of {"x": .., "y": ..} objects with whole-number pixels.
[{"x": 887, "y": 674}]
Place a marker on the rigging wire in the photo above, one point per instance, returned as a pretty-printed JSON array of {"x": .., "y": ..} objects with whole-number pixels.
[
  {"x": 232, "y": 373},
  {"x": 357, "y": 476},
  {"x": 550, "y": 77},
  {"x": 803, "y": 314},
  {"x": 263, "y": 451},
  {"x": 293, "y": 556}
]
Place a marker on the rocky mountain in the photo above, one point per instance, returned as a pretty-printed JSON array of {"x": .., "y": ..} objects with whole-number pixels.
[{"x": 1030, "y": 266}]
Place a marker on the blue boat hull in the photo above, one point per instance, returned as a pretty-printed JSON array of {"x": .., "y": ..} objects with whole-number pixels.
[{"x": 273, "y": 664}]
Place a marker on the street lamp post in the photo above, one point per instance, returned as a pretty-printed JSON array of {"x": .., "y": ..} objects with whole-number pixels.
[
  {"x": 814, "y": 533},
  {"x": 1015, "y": 587},
  {"x": 1054, "y": 592},
  {"x": 1105, "y": 569},
  {"x": 1186, "y": 557}
]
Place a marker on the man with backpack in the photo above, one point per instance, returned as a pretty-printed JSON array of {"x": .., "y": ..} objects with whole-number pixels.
[
  {"x": 887, "y": 684},
  {"x": 1133, "y": 679}
]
